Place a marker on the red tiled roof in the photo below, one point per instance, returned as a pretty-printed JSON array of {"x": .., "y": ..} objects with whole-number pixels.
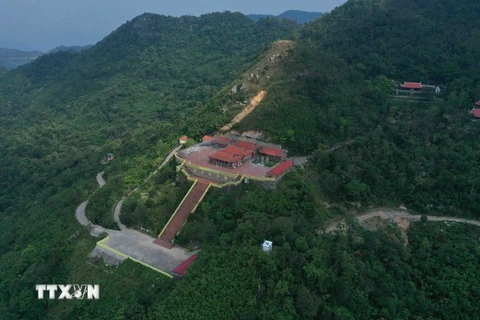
[
  {"x": 280, "y": 169},
  {"x": 180, "y": 269},
  {"x": 412, "y": 85},
  {"x": 237, "y": 150},
  {"x": 184, "y": 138},
  {"x": 206, "y": 138},
  {"x": 477, "y": 103},
  {"x": 246, "y": 145},
  {"x": 271, "y": 151},
  {"x": 475, "y": 113},
  {"x": 225, "y": 157},
  {"x": 221, "y": 139}
]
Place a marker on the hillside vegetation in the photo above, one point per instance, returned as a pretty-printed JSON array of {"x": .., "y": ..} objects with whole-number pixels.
[
  {"x": 130, "y": 94},
  {"x": 336, "y": 88},
  {"x": 158, "y": 77},
  {"x": 298, "y": 16}
]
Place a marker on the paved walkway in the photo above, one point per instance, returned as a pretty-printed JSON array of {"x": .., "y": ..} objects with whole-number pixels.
[
  {"x": 116, "y": 214},
  {"x": 179, "y": 217},
  {"x": 165, "y": 161},
  {"x": 100, "y": 180},
  {"x": 95, "y": 230}
]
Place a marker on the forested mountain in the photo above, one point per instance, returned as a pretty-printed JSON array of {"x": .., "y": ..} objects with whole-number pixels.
[
  {"x": 69, "y": 48},
  {"x": 158, "y": 77},
  {"x": 299, "y": 16},
  {"x": 422, "y": 154},
  {"x": 12, "y": 58},
  {"x": 129, "y": 94}
]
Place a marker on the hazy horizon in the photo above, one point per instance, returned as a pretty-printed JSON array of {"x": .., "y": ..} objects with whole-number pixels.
[{"x": 32, "y": 25}]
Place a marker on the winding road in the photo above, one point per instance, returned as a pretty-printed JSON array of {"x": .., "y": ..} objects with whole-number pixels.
[
  {"x": 100, "y": 180},
  {"x": 131, "y": 243},
  {"x": 118, "y": 207},
  {"x": 387, "y": 215},
  {"x": 116, "y": 214}
]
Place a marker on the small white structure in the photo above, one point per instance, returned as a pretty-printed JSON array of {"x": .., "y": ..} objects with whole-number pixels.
[
  {"x": 267, "y": 246},
  {"x": 437, "y": 90}
]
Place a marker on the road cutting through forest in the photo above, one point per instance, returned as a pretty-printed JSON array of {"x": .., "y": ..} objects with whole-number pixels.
[
  {"x": 390, "y": 215},
  {"x": 245, "y": 112},
  {"x": 129, "y": 243}
]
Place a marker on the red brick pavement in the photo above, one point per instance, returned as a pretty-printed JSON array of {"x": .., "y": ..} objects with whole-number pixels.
[{"x": 181, "y": 215}]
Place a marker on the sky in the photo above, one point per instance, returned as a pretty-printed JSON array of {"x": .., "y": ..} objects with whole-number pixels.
[{"x": 45, "y": 24}]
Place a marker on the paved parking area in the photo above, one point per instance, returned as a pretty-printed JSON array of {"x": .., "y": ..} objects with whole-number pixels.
[{"x": 140, "y": 247}]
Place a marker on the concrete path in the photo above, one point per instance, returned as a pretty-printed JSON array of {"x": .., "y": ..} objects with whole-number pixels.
[
  {"x": 100, "y": 180},
  {"x": 95, "y": 230},
  {"x": 116, "y": 214},
  {"x": 387, "y": 215},
  {"x": 167, "y": 159}
]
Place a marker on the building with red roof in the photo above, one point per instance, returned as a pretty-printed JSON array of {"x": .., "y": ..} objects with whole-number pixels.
[
  {"x": 225, "y": 159},
  {"x": 220, "y": 141},
  {"x": 272, "y": 153},
  {"x": 246, "y": 145},
  {"x": 182, "y": 268},
  {"x": 183, "y": 140},
  {"x": 412, "y": 85},
  {"x": 206, "y": 138},
  {"x": 475, "y": 113},
  {"x": 244, "y": 153},
  {"x": 280, "y": 169}
]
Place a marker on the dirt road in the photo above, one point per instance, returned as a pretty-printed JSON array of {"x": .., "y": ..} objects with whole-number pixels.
[
  {"x": 251, "y": 106},
  {"x": 389, "y": 215}
]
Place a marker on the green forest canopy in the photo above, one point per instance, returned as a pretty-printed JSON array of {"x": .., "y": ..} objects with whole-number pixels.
[{"x": 134, "y": 93}]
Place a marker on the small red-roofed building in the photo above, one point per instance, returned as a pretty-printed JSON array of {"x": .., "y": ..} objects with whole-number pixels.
[
  {"x": 206, "y": 138},
  {"x": 475, "y": 113},
  {"x": 280, "y": 169},
  {"x": 412, "y": 85},
  {"x": 272, "y": 153},
  {"x": 180, "y": 270},
  {"x": 225, "y": 159},
  {"x": 183, "y": 140}
]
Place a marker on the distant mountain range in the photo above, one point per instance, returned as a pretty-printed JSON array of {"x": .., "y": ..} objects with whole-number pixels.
[
  {"x": 12, "y": 58},
  {"x": 299, "y": 16},
  {"x": 70, "y": 48}
]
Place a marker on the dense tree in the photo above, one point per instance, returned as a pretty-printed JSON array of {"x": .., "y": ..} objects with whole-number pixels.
[{"x": 156, "y": 78}]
